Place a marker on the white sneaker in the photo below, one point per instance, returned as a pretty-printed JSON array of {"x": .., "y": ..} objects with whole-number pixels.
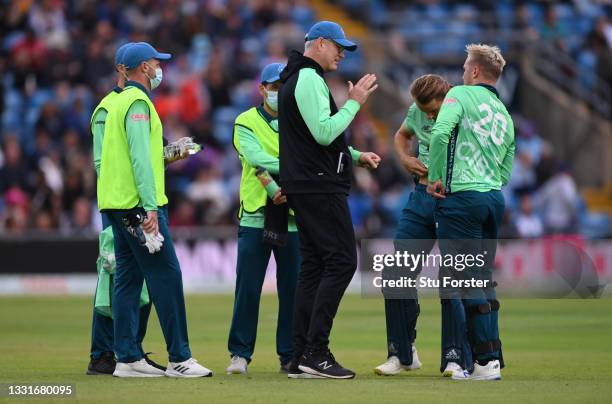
[
  {"x": 416, "y": 363},
  {"x": 393, "y": 366},
  {"x": 188, "y": 368},
  {"x": 238, "y": 365},
  {"x": 452, "y": 368},
  {"x": 490, "y": 371},
  {"x": 137, "y": 369}
]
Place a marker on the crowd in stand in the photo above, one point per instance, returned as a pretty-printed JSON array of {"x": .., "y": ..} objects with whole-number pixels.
[{"x": 56, "y": 63}]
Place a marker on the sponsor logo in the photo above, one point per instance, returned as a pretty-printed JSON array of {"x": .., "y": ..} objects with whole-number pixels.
[
  {"x": 325, "y": 365},
  {"x": 139, "y": 117},
  {"x": 450, "y": 100}
]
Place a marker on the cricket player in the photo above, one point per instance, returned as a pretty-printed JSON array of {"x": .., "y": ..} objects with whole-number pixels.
[
  {"x": 315, "y": 174},
  {"x": 471, "y": 155},
  {"x": 102, "y": 356},
  {"x": 256, "y": 141},
  {"x": 131, "y": 186},
  {"x": 416, "y": 233}
]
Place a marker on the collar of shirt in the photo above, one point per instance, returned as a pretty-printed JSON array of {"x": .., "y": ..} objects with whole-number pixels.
[
  {"x": 139, "y": 86},
  {"x": 117, "y": 89},
  {"x": 269, "y": 118},
  {"x": 490, "y": 88}
]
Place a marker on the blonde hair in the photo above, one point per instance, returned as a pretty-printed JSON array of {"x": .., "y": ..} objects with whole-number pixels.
[
  {"x": 429, "y": 87},
  {"x": 488, "y": 58}
]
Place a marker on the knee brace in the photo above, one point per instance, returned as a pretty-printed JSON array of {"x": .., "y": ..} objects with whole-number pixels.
[{"x": 492, "y": 342}]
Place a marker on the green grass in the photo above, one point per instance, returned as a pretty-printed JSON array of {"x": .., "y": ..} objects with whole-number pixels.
[{"x": 556, "y": 350}]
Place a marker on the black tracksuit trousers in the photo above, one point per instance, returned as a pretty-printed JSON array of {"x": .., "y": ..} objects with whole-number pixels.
[{"x": 329, "y": 261}]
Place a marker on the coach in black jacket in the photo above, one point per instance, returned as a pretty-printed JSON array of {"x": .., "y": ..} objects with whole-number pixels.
[{"x": 315, "y": 174}]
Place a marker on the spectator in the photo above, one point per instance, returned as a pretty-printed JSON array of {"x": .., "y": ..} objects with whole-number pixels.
[
  {"x": 528, "y": 224},
  {"x": 80, "y": 220},
  {"x": 558, "y": 201},
  {"x": 14, "y": 173},
  {"x": 552, "y": 30},
  {"x": 207, "y": 190},
  {"x": 28, "y": 57},
  {"x": 48, "y": 21}
]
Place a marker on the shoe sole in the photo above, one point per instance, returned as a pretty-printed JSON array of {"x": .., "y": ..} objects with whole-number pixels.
[
  {"x": 303, "y": 376},
  {"x": 311, "y": 371},
  {"x": 237, "y": 372},
  {"x": 96, "y": 373},
  {"x": 380, "y": 372},
  {"x": 486, "y": 378},
  {"x": 480, "y": 378},
  {"x": 122, "y": 373},
  {"x": 180, "y": 375}
]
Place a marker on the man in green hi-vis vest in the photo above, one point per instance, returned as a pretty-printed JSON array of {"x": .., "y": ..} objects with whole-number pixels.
[
  {"x": 470, "y": 157},
  {"x": 102, "y": 355},
  {"x": 132, "y": 182},
  {"x": 256, "y": 141}
]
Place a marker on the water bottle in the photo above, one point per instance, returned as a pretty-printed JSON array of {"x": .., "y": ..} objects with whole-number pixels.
[
  {"x": 174, "y": 151},
  {"x": 193, "y": 148},
  {"x": 267, "y": 181}
]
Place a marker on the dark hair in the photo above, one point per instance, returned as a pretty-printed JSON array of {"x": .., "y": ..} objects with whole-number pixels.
[{"x": 429, "y": 87}]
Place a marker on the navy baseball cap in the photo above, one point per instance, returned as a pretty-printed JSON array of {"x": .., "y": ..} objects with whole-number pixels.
[
  {"x": 140, "y": 52},
  {"x": 121, "y": 52},
  {"x": 330, "y": 30},
  {"x": 271, "y": 73}
]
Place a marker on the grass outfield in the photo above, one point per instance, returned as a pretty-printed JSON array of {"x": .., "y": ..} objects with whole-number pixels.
[{"x": 556, "y": 350}]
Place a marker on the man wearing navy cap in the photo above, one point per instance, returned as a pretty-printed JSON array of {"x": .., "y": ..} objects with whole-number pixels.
[
  {"x": 131, "y": 186},
  {"x": 315, "y": 174},
  {"x": 102, "y": 357},
  {"x": 266, "y": 225}
]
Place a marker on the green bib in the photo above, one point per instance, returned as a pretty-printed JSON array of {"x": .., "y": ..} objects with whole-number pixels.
[
  {"x": 117, "y": 185},
  {"x": 252, "y": 195},
  {"x": 106, "y": 104},
  {"x": 106, "y": 265}
]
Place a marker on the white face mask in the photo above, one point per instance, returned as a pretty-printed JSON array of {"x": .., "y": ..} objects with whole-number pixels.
[
  {"x": 156, "y": 81},
  {"x": 272, "y": 100}
]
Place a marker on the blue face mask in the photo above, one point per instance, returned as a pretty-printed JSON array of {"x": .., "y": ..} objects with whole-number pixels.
[
  {"x": 272, "y": 100},
  {"x": 156, "y": 81}
]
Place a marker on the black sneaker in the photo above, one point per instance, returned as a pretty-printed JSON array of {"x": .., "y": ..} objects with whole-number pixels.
[
  {"x": 152, "y": 363},
  {"x": 324, "y": 364},
  {"x": 104, "y": 365},
  {"x": 294, "y": 372}
]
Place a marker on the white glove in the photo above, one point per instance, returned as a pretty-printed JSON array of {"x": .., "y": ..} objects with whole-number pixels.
[
  {"x": 108, "y": 262},
  {"x": 154, "y": 242}
]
